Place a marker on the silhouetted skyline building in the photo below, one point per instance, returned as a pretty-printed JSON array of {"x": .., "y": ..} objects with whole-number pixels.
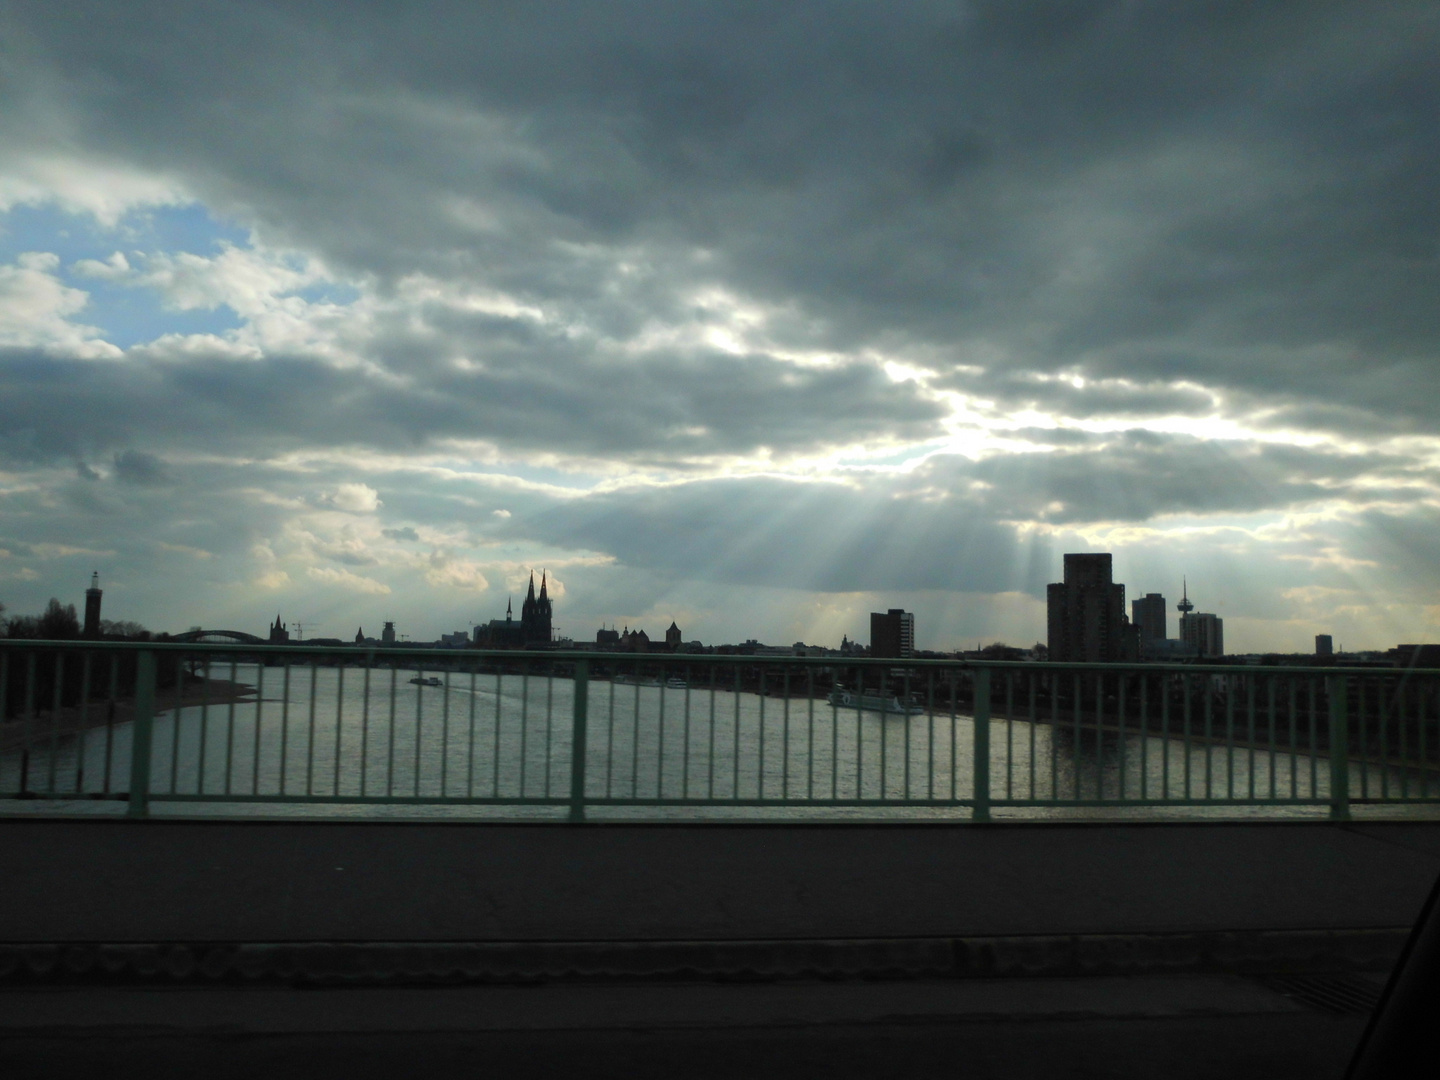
[
  {"x": 1201, "y": 630},
  {"x": 1086, "y": 612},
  {"x": 92, "y": 607},
  {"x": 387, "y": 635},
  {"x": 536, "y": 614},
  {"x": 1324, "y": 645},
  {"x": 1149, "y": 617},
  {"x": 279, "y": 635},
  {"x": 673, "y": 637},
  {"x": 892, "y": 634}
]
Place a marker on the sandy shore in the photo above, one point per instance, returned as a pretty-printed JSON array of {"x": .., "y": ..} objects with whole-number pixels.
[{"x": 73, "y": 719}]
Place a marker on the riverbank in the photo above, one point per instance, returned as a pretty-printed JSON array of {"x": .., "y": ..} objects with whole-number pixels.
[{"x": 18, "y": 733}]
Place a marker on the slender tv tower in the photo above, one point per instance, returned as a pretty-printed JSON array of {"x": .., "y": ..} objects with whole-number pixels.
[{"x": 1184, "y": 606}]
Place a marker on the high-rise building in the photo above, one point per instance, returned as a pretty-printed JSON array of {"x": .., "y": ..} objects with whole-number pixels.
[
  {"x": 892, "y": 634},
  {"x": 1086, "y": 612},
  {"x": 1204, "y": 632},
  {"x": 1148, "y": 613},
  {"x": 92, "y": 607},
  {"x": 387, "y": 635},
  {"x": 1324, "y": 645}
]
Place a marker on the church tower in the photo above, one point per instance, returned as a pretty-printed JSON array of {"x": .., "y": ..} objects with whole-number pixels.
[
  {"x": 535, "y": 614},
  {"x": 92, "y": 607}
]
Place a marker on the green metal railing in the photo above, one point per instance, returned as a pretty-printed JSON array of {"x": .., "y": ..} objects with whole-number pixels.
[{"x": 230, "y": 725}]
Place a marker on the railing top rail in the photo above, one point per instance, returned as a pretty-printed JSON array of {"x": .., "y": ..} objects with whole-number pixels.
[{"x": 380, "y": 652}]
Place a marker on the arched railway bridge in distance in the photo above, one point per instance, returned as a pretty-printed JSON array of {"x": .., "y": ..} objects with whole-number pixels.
[{"x": 219, "y": 637}]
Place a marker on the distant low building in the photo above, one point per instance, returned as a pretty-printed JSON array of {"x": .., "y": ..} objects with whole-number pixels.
[
  {"x": 458, "y": 640},
  {"x": 607, "y": 639},
  {"x": 503, "y": 633}
]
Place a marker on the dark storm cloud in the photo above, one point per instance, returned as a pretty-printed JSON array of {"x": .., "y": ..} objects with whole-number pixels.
[
  {"x": 678, "y": 405},
  {"x": 1235, "y": 196},
  {"x": 141, "y": 469}
]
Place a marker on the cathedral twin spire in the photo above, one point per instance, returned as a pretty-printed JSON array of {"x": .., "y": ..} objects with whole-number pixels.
[{"x": 536, "y": 613}]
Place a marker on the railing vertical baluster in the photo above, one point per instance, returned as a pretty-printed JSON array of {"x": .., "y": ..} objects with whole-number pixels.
[
  {"x": 1120, "y": 744},
  {"x": 735, "y": 760},
  {"x": 174, "y": 726},
  {"x": 685, "y": 758},
  {"x": 524, "y": 723},
  {"x": 389, "y": 727},
  {"x": 1339, "y": 749},
  {"x": 470, "y": 741},
  {"x": 1209, "y": 702},
  {"x": 549, "y": 718},
  {"x": 445, "y": 740},
  {"x": 905, "y": 719},
  {"x": 785, "y": 742},
  {"x": 339, "y": 724},
  {"x": 259, "y": 698},
  {"x": 284, "y": 725},
  {"x": 810, "y": 733},
  {"x": 419, "y": 728},
  {"x": 1165, "y": 736},
  {"x": 660, "y": 737},
  {"x": 140, "y": 733},
  {"x": 364, "y": 722},
  {"x": 579, "y": 739},
  {"x": 1034, "y": 723},
  {"x": 981, "y": 746},
  {"x": 930, "y": 735},
  {"x": 84, "y": 719},
  {"x": 31, "y": 677},
  {"x": 1187, "y": 720},
  {"x": 495, "y": 756},
  {"x": 57, "y": 705},
  {"x": 230, "y": 724},
  {"x": 1009, "y": 735},
  {"x": 954, "y": 729},
  {"x": 1055, "y": 735},
  {"x": 710, "y": 756},
  {"x": 635, "y": 733},
  {"x": 1144, "y": 737},
  {"x": 1250, "y": 729},
  {"x": 1229, "y": 740},
  {"x": 610, "y": 738},
  {"x": 884, "y": 739},
  {"x": 204, "y": 728},
  {"x": 760, "y": 768}
]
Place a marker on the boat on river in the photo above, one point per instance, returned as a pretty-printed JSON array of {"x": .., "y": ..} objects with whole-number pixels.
[
  {"x": 430, "y": 680},
  {"x": 850, "y": 699}
]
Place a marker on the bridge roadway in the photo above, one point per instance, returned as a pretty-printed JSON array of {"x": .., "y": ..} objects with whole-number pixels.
[{"x": 706, "y": 949}]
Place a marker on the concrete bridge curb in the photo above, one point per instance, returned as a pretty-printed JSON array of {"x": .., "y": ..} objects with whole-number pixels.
[{"x": 408, "y": 963}]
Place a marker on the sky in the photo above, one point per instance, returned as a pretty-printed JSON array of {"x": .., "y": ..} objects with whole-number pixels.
[{"x": 756, "y": 317}]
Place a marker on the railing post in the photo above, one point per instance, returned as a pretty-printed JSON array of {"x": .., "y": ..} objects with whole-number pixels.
[
  {"x": 981, "y": 765},
  {"x": 579, "y": 740},
  {"x": 1339, "y": 749},
  {"x": 140, "y": 734}
]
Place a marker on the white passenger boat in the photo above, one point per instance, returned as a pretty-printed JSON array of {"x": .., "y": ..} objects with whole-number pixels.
[
  {"x": 427, "y": 681},
  {"x": 676, "y": 683},
  {"x": 849, "y": 699}
]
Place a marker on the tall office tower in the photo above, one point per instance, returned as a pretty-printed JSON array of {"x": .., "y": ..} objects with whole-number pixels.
[
  {"x": 92, "y": 607},
  {"x": 1148, "y": 613},
  {"x": 1205, "y": 632},
  {"x": 892, "y": 634},
  {"x": 387, "y": 635},
  {"x": 1086, "y": 612},
  {"x": 1324, "y": 645}
]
